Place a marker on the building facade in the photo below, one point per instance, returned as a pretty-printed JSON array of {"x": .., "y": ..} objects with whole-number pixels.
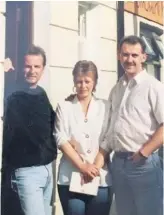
[
  {"x": 74, "y": 30},
  {"x": 145, "y": 19}
]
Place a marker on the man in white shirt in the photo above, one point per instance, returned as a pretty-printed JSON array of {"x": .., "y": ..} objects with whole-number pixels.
[{"x": 135, "y": 133}]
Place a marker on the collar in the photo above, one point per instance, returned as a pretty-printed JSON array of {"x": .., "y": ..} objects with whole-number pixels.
[
  {"x": 137, "y": 79},
  {"x": 92, "y": 109},
  {"x": 140, "y": 76},
  {"x": 76, "y": 100}
]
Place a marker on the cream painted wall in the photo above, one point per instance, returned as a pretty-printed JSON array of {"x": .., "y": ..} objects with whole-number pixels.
[
  {"x": 56, "y": 30},
  {"x": 129, "y": 24},
  {"x": 2, "y": 56},
  {"x": 108, "y": 23},
  {"x": 41, "y": 36},
  {"x": 111, "y": 4},
  {"x": 63, "y": 46},
  {"x": 63, "y": 14},
  {"x": 105, "y": 47},
  {"x": 66, "y": 48},
  {"x": 130, "y": 21},
  {"x": 61, "y": 40},
  {"x": 61, "y": 84},
  {"x": 100, "y": 45},
  {"x": 106, "y": 82},
  {"x": 108, "y": 57}
]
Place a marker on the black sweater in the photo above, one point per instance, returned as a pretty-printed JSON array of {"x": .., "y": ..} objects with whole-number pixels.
[{"x": 28, "y": 129}]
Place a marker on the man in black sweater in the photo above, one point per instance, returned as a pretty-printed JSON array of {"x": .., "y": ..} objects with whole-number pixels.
[{"x": 28, "y": 143}]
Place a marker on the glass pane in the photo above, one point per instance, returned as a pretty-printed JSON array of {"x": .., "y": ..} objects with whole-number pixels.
[{"x": 82, "y": 20}]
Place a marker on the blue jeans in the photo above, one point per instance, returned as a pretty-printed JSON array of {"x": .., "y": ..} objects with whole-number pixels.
[
  {"x": 34, "y": 187},
  {"x": 81, "y": 204},
  {"x": 137, "y": 186}
]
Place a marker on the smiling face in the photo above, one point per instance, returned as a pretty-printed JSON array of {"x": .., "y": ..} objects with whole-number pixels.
[
  {"x": 33, "y": 69},
  {"x": 84, "y": 84},
  {"x": 131, "y": 58}
]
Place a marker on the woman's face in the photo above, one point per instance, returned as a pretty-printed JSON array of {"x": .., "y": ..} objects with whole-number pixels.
[{"x": 84, "y": 84}]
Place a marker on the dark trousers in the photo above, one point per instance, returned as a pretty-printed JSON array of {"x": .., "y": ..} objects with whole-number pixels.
[
  {"x": 82, "y": 204},
  {"x": 10, "y": 203}
]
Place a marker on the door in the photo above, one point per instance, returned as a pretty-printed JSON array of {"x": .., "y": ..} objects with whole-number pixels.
[{"x": 18, "y": 38}]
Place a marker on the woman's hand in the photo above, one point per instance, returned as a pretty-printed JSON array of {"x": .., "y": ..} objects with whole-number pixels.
[{"x": 89, "y": 171}]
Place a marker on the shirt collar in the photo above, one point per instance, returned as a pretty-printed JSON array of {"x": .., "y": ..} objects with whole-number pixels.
[
  {"x": 92, "y": 109},
  {"x": 76, "y": 100},
  {"x": 138, "y": 78}
]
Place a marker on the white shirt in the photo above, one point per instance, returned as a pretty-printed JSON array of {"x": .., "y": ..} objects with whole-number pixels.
[
  {"x": 72, "y": 124},
  {"x": 136, "y": 111}
]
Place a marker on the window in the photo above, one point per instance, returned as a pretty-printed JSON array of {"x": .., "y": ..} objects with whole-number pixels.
[
  {"x": 87, "y": 11},
  {"x": 82, "y": 23},
  {"x": 82, "y": 29},
  {"x": 149, "y": 49},
  {"x": 83, "y": 8},
  {"x": 154, "y": 48},
  {"x": 158, "y": 44}
]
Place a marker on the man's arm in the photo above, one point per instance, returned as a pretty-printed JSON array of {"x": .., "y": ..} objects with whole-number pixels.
[
  {"x": 156, "y": 101},
  {"x": 104, "y": 149},
  {"x": 154, "y": 143},
  {"x": 100, "y": 158},
  {"x": 9, "y": 125}
]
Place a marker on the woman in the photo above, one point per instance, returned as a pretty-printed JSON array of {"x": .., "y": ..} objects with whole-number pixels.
[{"x": 78, "y": 127}]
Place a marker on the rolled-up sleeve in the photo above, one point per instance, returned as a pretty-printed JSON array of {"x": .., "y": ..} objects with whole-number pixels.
[
  {"x": 104, "y": 145},
  {"x": 61, "y": 126},
  {"x": 156, "y": 99},
  {"x": 103, "y": 140}
]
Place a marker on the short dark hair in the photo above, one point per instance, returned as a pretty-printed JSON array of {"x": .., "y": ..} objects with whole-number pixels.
[
  {"x": 133, "y": 40},
  {"x": 85, "y": 66},
  {"x": 36, "y": 50}
]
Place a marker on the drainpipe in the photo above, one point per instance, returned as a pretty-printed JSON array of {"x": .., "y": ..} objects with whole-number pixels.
[{"x": 120, "y": 32}]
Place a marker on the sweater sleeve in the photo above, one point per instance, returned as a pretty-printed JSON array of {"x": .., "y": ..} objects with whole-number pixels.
[
  {"x": 8, "y": 127},
  {"x": 53, "y": 120}
]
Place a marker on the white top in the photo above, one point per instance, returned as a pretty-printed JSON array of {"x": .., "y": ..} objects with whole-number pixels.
[
  {"x": 72, "y": 124},
  {"x": 136, "y": 111}
]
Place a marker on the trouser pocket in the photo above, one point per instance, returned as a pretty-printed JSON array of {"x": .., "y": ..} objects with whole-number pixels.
[
  {"x": 13, "y": 182},
  {"x": 157, "y": 167}
]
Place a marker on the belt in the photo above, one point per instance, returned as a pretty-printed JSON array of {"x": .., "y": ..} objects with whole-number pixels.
[{"x": 124, "y": 155}]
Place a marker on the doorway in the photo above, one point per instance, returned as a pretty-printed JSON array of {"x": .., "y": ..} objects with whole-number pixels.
[{"x": 18, "y": 38}]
